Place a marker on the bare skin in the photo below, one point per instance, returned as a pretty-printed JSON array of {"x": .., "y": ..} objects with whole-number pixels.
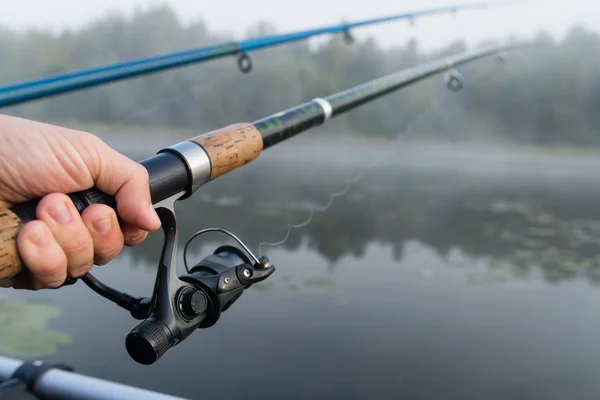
[{"x": 44, "y": 161}]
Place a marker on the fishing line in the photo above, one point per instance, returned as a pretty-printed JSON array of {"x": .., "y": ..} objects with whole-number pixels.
[
  {"x": 402, "y": 137},
  {"x": 332, "y": 195}
]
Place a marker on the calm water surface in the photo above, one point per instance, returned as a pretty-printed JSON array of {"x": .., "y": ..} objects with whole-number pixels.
[{"x": 438, "y": 275}]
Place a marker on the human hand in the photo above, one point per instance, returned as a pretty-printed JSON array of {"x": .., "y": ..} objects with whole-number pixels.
[{"x": 41, "y": 161}]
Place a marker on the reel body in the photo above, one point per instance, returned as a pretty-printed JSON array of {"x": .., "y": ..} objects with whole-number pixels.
[{"x": 180, "y": 305}]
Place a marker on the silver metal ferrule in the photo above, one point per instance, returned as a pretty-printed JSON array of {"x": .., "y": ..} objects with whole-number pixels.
[
  {"x": 327, "y": 110},
  {"x": 197, "y": 161}
]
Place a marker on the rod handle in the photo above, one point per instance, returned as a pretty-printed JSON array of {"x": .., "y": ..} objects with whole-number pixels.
[
  {"x": 227, "y": 149},
  {"x": 12, "y": 219}
]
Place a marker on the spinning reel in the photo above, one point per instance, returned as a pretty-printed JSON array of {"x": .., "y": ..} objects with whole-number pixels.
[{"x": 180, "y": 305}]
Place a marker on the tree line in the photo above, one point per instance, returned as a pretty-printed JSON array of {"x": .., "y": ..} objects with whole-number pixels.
[{"x": 546, "y": 94}]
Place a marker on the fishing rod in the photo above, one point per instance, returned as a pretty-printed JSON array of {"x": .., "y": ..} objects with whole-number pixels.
[
  {"x": 180, "y": 305},
  {"x": 22, "y": 92}
]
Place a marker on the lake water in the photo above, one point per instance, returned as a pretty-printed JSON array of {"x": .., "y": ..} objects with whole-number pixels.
[{"x": 438, "y": 275}]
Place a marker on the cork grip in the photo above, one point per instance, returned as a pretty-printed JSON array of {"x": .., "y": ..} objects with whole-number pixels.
[
  {"x": 10, "y": 262},
  {"x": 231, "y": 147}
]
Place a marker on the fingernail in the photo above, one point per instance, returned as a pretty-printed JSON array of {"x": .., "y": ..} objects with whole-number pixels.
[
  {"x": 61, "y": 214},
  {"x": 39, "y": 239},
  {"x": 103, "y": 225}
]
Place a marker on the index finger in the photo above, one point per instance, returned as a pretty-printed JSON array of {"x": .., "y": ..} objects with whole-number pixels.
[{"x": 126, "y": 180}]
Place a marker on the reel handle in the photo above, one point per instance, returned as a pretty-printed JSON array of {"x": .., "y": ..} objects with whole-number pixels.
[{"x": 149, "y": 341}]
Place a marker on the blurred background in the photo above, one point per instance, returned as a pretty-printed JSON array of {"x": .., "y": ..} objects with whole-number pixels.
[{"x": 463, "y": 264}]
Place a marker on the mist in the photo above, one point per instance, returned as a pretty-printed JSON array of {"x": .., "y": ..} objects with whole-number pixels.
[{"x": 429, "y": 244}]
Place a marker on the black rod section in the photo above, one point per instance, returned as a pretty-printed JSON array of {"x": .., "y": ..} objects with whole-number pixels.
[{"x": 281, "y": 126}]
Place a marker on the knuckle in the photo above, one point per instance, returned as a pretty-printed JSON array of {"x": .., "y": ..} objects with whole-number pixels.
[
  {"x": 105, "y": 258},
  {"x": 79, "y": 243},
  {"x": 81, "y": 269},
  {"x": 55, "y": 284},
  {"x": 51, "y": 266},
  {"x": 141, "y": 173}
]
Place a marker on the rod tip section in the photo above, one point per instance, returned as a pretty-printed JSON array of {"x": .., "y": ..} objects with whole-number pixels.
[
  {"x": 231, "y": 147},
  {"x": 10, "y": 261}
]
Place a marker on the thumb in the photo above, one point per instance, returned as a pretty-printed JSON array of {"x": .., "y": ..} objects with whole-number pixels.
[{"x": 128, "y": 182}]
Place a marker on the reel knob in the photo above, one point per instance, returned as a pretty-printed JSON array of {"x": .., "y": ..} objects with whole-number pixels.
[
  {"x": 148, "y": 341},
  {"x": 192, "y": 303}
]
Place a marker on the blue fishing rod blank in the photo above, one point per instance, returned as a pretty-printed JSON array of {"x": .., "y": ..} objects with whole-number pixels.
[{"x": 30, "y": 90}]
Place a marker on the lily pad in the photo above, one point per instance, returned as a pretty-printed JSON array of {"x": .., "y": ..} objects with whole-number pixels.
[
  {"x": 321, "y": 283},
  {"x": 24, "y": 331},
  {"x": 33, "y": 343}
]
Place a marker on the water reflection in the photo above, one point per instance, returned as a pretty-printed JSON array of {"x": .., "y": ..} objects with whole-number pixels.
[
  {"x": 512, "y": 228},
  {"x": 446, "y": 277}
]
